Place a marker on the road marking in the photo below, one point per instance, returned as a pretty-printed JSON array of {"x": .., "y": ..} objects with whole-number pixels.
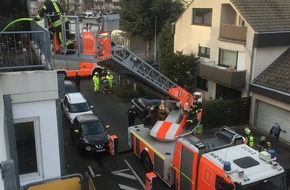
[
  {"x": 125, "y": 175},
  {"x": 120, "y": 171},
  {"x": 92, "y": 172},
  {"x": 135, "y": 174},
  {"x": 126, "y": 187}
]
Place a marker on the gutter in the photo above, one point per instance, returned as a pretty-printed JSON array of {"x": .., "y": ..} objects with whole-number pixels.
[{"x": 272, "y": 90}]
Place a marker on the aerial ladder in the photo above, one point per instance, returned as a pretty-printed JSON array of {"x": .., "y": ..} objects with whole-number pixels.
[
  {"x": 175, "y": 125},
  {"x": 123, "y": 61},
  {"x": 94, "y": 49}
]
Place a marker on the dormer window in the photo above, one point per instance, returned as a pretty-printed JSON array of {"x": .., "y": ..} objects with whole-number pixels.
[{"x": 201, "y": 16}]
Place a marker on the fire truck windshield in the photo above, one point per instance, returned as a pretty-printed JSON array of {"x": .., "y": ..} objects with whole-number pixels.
[{"x": 275, "y": 183}]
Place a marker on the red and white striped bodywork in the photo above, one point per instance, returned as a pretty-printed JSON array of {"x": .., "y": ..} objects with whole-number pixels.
[{"x": 174, "y": 125}]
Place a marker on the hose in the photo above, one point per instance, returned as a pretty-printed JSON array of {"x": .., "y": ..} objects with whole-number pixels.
[{"x": 17, "y": 20}]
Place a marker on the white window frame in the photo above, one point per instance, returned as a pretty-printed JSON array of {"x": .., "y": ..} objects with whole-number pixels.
[
  {"x": 202, "y": 16},
  {"x": 206, "y": 50},
  {"x": 233, "y": 64},
  {"x": 39, "y": 174}
]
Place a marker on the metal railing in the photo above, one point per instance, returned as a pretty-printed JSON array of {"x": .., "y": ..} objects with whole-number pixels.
[{"x": 25, "y": 50}]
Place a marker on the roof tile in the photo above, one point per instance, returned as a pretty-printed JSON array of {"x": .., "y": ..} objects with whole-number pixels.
[
  {"x": 265, "y": 15},
  {"x": 277, "y": 75}
]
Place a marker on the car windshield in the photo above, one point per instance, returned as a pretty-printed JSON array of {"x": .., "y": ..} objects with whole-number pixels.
[
  {"x": 141, "y": 102},
  {"x": 79, "y": 107},
  {"x": 148, "y": 102},
  {"x": 92, "y": 128},
  {"x": 274, "y": 183}
]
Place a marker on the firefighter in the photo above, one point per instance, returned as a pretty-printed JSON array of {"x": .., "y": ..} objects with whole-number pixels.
[
  {"x": 96, "y": 82},
  {"x": 53, "y": 10},
  {"x": 191, "y": 116},
  {"x": 110, "y": 78},
  {"x": 77, "y": 80},
  {"x": 249, "y": 137},
  {"x": 161, "y": 111},
  {"x": 263, "y": 145}
]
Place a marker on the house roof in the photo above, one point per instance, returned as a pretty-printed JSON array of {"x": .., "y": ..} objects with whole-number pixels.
[
  {"x": 277, "y": 76},
  {"x": 265, "y": 15}
]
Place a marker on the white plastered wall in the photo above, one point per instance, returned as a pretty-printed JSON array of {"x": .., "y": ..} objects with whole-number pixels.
[{"x": 33, "y": 95}]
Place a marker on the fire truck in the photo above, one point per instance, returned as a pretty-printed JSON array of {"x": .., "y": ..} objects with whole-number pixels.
[{"x": 223, "y": 162}]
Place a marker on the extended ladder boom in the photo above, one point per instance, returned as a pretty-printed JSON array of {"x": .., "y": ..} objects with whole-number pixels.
[{"x": 127, "y": 63}]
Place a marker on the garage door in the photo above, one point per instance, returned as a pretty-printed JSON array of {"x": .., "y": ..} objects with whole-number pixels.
[{"x": 268, "y": 114}]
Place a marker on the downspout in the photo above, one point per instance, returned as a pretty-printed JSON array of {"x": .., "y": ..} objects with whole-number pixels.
[
  {"x": 251, "y": 68},
  {"x": 251, "y": 73}
]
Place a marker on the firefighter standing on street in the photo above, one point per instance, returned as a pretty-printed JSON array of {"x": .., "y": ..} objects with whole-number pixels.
[
  {"x": 110, "y": 78},
  {"x": 77, "y": 80},
  {"x": 131, "y": 115},
  {"x": 275, "y": 134},
  {"x": 96, "y": 82},
  {"x": 249, "y": 137},
  {"x": 53, "y": 11}
]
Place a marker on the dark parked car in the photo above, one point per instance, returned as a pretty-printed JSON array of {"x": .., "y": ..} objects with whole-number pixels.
[
  {"x": 142, "y": 104},
  {"x": 89, "y": 134},
  {"x": 69, "y": 87}
]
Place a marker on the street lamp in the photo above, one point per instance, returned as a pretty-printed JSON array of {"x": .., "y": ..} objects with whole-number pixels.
[{"x": 155, "y": 41}]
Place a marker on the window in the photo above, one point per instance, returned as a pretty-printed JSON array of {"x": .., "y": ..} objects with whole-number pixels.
[
  {"x": 202, "y": 16},
  {"x": 202, "y": 84},
  {"x": 228, "y": 58},
  {"x": 225, "y": 93},
  {"x": 27, "y": 146},
  {"x": 203, "y": 51}
]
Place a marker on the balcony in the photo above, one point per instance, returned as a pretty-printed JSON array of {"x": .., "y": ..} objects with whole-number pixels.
[
  {"x": 225, "y": 76},
  {"x": 25, "y": 50},
  {"x": 233, "y": 33}
]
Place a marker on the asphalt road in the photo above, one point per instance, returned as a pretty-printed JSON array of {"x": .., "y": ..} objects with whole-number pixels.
[{"x": 122, "y": 171}]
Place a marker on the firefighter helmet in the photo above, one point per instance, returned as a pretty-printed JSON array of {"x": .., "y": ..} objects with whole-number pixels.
[{"x": 247, "y": 131}]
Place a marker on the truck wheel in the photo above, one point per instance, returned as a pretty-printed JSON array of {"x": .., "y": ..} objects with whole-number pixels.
[{"x": 146, "y": 161}]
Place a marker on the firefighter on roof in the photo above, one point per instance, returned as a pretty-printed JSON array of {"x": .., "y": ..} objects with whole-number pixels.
[{"x": 53, "y": 10}]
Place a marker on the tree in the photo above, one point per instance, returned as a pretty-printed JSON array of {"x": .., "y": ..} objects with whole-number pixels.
[
  {"x": 138, "y": 17},
  {"x": 166, "y": 51},
  {"x": 178, "y": 67}
]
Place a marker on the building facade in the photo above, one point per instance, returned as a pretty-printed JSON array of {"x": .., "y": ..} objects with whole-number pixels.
[
  {"x": 29, "y": 127},
  {"x": 236, "y": 42}
]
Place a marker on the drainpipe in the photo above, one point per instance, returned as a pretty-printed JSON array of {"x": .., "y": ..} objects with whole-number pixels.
[
  {"x": 251, "y": 73},
  {"x": 251, "y": 68}
]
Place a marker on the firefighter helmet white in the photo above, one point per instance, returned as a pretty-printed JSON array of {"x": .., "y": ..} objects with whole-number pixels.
[{"x": 247, "y": 131}]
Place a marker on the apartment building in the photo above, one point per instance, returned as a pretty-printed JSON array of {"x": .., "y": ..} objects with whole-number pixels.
[{"x": 244, "y": 51}]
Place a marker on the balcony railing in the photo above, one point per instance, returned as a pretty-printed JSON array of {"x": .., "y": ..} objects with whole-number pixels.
[
  {"x": 226, "y": 76},
  {"x": 25, "y": 50},
  {"x": 233, "y": 32}
]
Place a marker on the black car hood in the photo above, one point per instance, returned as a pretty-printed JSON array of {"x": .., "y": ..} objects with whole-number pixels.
[{"x": 97, "y": 138}]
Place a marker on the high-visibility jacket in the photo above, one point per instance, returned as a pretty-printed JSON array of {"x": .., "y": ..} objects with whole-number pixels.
[
  {"x": 96, "y": 80},
  {"x": 250, "y": 141},
  {"x": 110, "y": 78},
  {"x": 52, "y": 9}
]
